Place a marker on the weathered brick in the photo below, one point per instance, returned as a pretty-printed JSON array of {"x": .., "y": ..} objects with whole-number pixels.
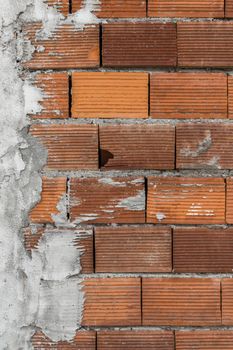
[
  {"x": 208, "y": 340},
  {"x": 200, "y": 249},
  {"x": 133, "y": 249},
  {"x": 55, "y": 99},
  {"x": 205, "y": 44},
  {"x": 227, "y": 302},
  {"x": 139, "y": 44},
  {"x": 155, "y": 145},
  {"x": 187, "y": 8},
  {"x": 53, "y": 190},
  {"x": 109, "y": 95},
  {"x": 230, "y": 95},
  {"x": 177, "y": 200},
  {"x": 204, "y": 145},
  {"x": 61, "y": 5},
  {"x": 116, "y": 8},
  {"x": 70, "y": 147},
  {"x": 68, "y": 47},
  {"x": 188, "y": 95},
  {"x": 112, "y": 302},
  {"x": 107, "y": 200},
  {"x": 136, "y": 340},
  {"x": 83, "y": 340},
  {"x": 181, "y": 302},
  {"x": 83, "y": 241},
  {"x": 229, "y": 201},
  {"x": 228, "y": 8}
]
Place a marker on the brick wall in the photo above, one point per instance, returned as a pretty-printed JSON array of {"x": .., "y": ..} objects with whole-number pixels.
[{"x": 137, "y": 121}]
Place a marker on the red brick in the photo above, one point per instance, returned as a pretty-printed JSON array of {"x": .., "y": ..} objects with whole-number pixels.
[
  {"x": 53, "y": 190},
  {"x": 208, "y": 340},
  {"x": 68, "y": 47},
  {"x": 133, "y": 249},
  {"x": 112, "y": 302},
  {"x": 227, "y": 302},
  {"x": 155, "y": 145},
  {"x": 204, "y": 145},
  {"x": 187, "y": 8},
  {"x": 229, "y": 201},
  {"x": 61, "y": 5},
  {"x": 116, "y": 8},
  {"x": 83, "y": 340},
  {"x": 139, "y": 44},
  {"x": 200, "y": 249},
  {"x": 83, "y": 241},
  {"x": 177, "y": 200},
  {"x": 228, "y": 8},
  {"x": 55, "y": 91},
  {"x": 70, "y": 147},
  {"x": 109, "y": 95},
  {"x": 107, "y": 200},
  {"x": 205, "y": 44},
  {"x": 136, "y": 340},
  {"x": 230, "y": 95},
  {"x": 188, "y": 95},
  {"x": 181, "y": 302}
]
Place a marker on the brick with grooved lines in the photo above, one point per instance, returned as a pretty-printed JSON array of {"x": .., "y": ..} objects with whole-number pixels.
[
  {"x": 109, "y": 95},
  {"x": 70, "y": 147},
  {"x": 228, "y": 8},
  {"x": 204, "y": 340},
  {"x": 155, "y": 145},
  {"x": 229, "y": 200},
  {"x": 181, "y": 302},
  {"x": 205, "y": 44},
  {"x": 135, "y": 340},
  {"x": 61, "y": 5},
  {"x": 227, "y": 302},
  {"x": 230, "y": 96},
  {"x": 180, "y": 200},
  {"x": 188, "y": 95},
  {"x": 187, "y": 8},
  {"x": 139, "y": 44},
  {"x": 133, "y": 249},
  {"x": 112, "y": 302}
]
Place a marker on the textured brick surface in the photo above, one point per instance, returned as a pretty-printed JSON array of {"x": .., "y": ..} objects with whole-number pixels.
[
  {"x": 138, "y": 340},
  {"x": 155, "y": 146},
  {"x": 228, "y": 8},
  {"x": 55, "y": 90},
  {"x": 53, "y": 191},
  {"x": 60, "y": 5},
  {"x": 208, "y": 340},
  {"x": 204, "y": 145},
  {"x": 205, "y": 44},
  {"x": 107, "y": 200},
  {"x": 112, "y": 302},
  {"x": 227, "y": 302},
  {"x": 229, "y": 201},
  {"x": 200, "y": 249},
  {"x": 186, "y": 200},
  {"x": 67, "y": 48},
  {"x": 133, "y": 249},
  {"x": 139, "y": 45},
  {"x": 187, "y": 8},
  {"x": 181, "y": 301},
  {"x": 230, "y": 95},
  {"x": 188, "y": 95},
  {"x": 70, "y": 147},
  {"x": 110, "y": 95}
]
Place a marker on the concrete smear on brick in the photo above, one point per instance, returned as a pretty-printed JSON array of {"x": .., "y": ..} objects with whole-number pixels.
[
  {"x": 133, "y": 203},
  {"x": 203, "y": 146}
]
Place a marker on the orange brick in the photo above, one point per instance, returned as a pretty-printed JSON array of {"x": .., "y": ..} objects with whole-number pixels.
[
  {"x": 53, "y": 190},
  {"x": 83, "y": 340},
  {"x": 187, "y": 8},
  {"x": 228, "y": 8},
  {"x": 128, "y": 340},
  {"x": 109, "y": 95},
  {"x": 230, "y": 95},
  {"x": 70, "y": 147},
  {"x": 133, "y": 249},
  {"x": 229, "y": 201},
  {"x": 83, "y": 241},
  {"x": 208, "y": 340},
  {"x": 68, "y": 47},
  {"x": 188, "y": 95},
  {"x": 205, "y": 44},
  {"x": 227, "y": 302},
  {"x": 155, "y": 145},
  {"x": 200, "y": 249},
  {"x": 139, "y": 44},
  {"x": 107, "y": 200},
  {"x": 177, "y": 200},
  {"x": 116, "y": 8},
  {"x": 60, "y": 5},
  {"x": 112, "y": 302},
  {"x": 181, "y": 302},
  {"x": 55, "y": 90},
  {"x": 204, "y": 145}
]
